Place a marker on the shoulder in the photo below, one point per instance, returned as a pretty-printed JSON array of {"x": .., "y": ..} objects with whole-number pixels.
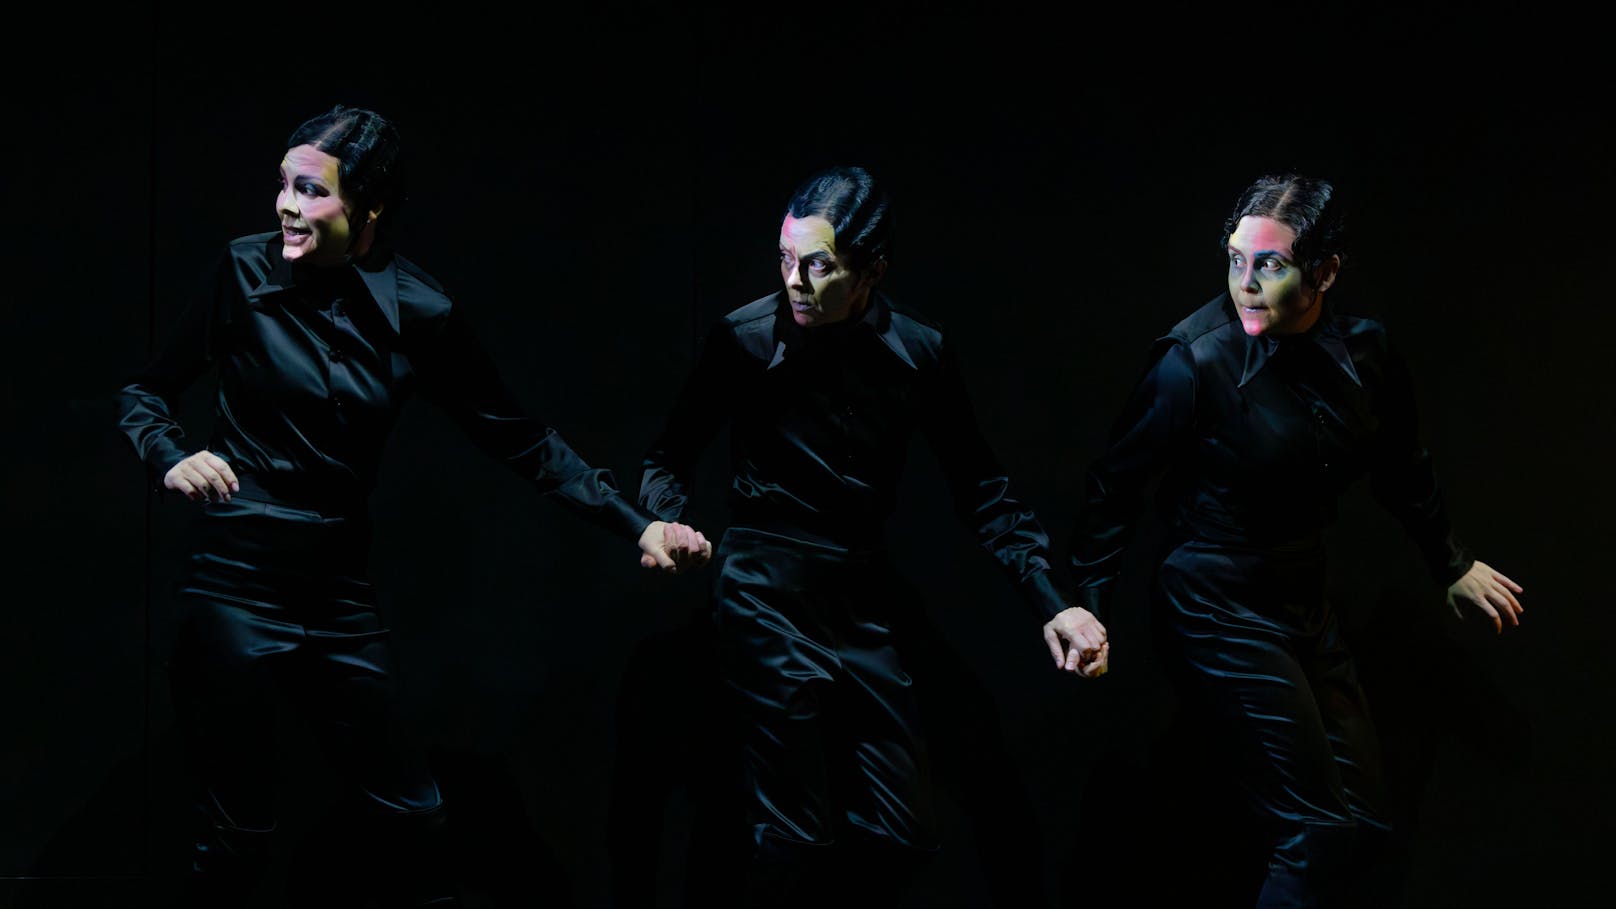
[
  {"x": 750, "y": 327},
  {"x": 1213, "y": 322},
  {"x": 921, "y": 334},
  {"x": 761, "y": 310},
  {"x": 1359, "y": 331},
  {"x": 253, "y": 255},
  {"x": 1204, "y": 333},
  {"x": 418, "y": 287},
  {"x": 1368, "y": 344}
]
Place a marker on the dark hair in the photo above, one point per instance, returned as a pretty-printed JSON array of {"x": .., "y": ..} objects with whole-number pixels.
[
  {"x": 369, "y": 153},
  {"x": 858, "y": 208},
  {"x": 1307, "y": 205}
]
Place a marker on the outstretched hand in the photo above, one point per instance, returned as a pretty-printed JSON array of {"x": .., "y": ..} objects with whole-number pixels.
[
  {"x": 1488, "y": 591},
  {"x": 202, "y": 477},
  {"x": 1077, "y": 641},
  {"x": 674, "y": 548}
]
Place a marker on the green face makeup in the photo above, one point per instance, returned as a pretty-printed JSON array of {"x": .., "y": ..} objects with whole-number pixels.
[{"x": 1265, "y": 284}]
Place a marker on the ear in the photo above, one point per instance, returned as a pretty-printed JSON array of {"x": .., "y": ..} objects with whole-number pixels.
[
  {"x": 873, "y": 275},
  {"x": 374, "y": 214},
  {"x": 1325, "y": 275}
]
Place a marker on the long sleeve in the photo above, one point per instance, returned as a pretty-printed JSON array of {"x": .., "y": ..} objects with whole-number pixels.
[
  {"x": 1004, "y": 526},
  {"x": 1152, "y": 429},
  {"x": 458, "y": 375},
  {"x": 145, "y": 403},
  {"x": 697, "y": 416},
  {"x": 1403, "y": 481}
]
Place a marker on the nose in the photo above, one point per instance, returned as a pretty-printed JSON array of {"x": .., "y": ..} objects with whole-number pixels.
[
  {"x": 1248, "y": 279},
  {"x": 286, "y": 202},
  {"x": 797, "y": 276}
]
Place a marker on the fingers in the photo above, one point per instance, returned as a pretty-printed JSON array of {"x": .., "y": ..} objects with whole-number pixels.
[
  {"x": 1500, "y": 578},
  {"x": 222, "y": 467},
  {"x": 686, "y": 545},
  {"x": 1501, "y": 601},
  {"x": 658, "y": 558},
  {"x": 1053, "y": 641},
  {"x": 1510, "y": 589},
  {"x": 1486, "y": 607},
  {"x": 1100, "y": 665},
  {"x": 203, "y": 477}
]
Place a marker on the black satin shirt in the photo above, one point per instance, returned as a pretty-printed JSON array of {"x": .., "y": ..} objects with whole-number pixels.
[
  {"x": 820, "y": 422},
  {"x": 314, "y": 366},
  {"x": 1255, "y": 438}
]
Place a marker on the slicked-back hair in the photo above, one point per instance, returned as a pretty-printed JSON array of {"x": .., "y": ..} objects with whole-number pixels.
[
  {"x": 858, "y": 208},
  {"x": 369, "y": 154},
  {"x": 1307, "y": 205}
]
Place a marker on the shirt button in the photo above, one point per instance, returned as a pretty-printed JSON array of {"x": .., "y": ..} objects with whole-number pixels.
[{"x": 337, "y": 356}]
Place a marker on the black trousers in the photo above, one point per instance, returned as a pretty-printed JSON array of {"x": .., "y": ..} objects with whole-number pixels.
[
  {"x": 835, "y": 766},
  {"x": 1260, "y": 650},
  {"x": 276, "y": 604}
]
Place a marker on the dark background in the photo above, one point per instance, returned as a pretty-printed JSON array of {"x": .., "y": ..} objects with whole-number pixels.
[{"x": 594, "y": 188}]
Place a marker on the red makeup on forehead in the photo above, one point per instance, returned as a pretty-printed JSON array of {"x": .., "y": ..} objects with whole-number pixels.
[
  {"x": 806, "y": 233},
  {"x": 1262, "y": 234}
]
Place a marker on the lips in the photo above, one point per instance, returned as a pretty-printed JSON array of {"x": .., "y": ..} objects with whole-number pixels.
[{"x": 294, "y": 235}]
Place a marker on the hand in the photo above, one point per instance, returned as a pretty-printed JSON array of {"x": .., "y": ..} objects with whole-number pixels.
[
  {"x": 675, "y": 548},
  {"x": 202, "y": 477},
  {"x": 1488, "y": 591},
  {"x": 1077, "y": 641}
]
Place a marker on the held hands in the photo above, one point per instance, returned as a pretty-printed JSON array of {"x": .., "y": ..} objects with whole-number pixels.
[
  {"x": 1488, "y": 591},
  {"x": 1077, "y": 641},
  {"x": 674, "y": 548},
  {"x": 202, "y": 477}
]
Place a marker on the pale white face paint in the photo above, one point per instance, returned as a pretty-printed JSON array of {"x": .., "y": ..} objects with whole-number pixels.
[
  {"x": 821, "y": 288},
  {"x": 316, "y": 215}
]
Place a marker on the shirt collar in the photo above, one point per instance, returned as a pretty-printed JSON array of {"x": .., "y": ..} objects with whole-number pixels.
[
  {"x": 379, "y": 274},
  {"x": 877, "y": 318},
  {"x": 1325, "y": 333}
]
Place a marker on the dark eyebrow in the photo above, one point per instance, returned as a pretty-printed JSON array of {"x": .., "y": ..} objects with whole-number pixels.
[
  {"x": 1274, "y": 253},
  {"x": 296, "y": 178}
]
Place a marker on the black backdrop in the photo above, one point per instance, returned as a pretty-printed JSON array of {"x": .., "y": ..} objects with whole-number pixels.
[{"x": 594, "y": 188}]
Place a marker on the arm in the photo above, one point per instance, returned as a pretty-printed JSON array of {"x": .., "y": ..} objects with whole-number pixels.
[
  {"x": 145, "y": 403},
  {"x": 696, "y": 418},
  {"x": 1403, "y": 481},
  {"x": 459, "y": 376},
  {"x": 1155, "y": 425},
  {"x": 1006, "y": 528}
]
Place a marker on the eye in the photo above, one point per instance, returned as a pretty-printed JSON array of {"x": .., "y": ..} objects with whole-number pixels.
[
  {"x": 1235, "y": 260},
  {"x": 818, "y": 266},
  {"x": 1272, "y": 264},
  {"x": 309, "y": 189}
]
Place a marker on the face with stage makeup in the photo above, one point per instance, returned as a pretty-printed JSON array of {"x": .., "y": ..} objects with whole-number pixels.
[
  {"x": 318, "y": 220},
  {"x": 821, "y": 286},
  {"x": 1271, "y": 292}
]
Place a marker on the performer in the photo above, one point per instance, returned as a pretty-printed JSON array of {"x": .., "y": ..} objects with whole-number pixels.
[
  {"x": 319, "y": 333},
  {"x": 822, "y": 385},
  {"x": 1259, "y": 409}
]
